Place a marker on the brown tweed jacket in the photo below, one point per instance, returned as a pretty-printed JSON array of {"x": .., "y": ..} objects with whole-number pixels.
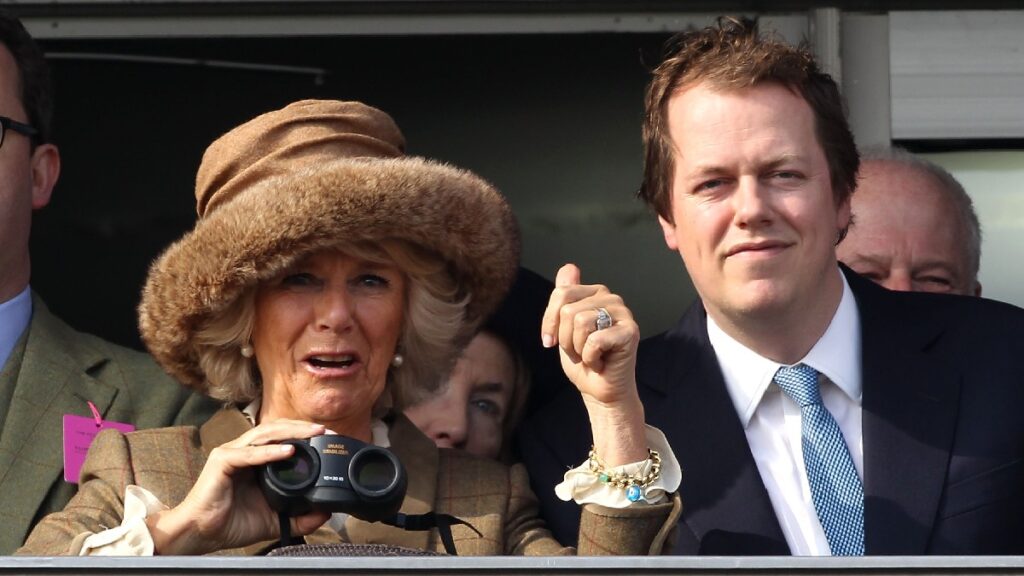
[{"x": 494, "y": 498}]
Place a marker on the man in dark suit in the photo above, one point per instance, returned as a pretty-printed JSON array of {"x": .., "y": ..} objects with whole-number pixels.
[
  {"x": 812, "y": 412},
  {"x": 47, "y": 369}
]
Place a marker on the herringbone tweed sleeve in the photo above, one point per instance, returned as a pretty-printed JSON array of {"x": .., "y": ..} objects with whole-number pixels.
[
  {"x": 500, "y": 504},
  {"x": 172, "y": 465}
]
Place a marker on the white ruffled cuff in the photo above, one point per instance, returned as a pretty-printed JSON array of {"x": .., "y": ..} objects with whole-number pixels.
[
  {"x": 132, "y": 537},
  {"x": 583, "y": 486}
]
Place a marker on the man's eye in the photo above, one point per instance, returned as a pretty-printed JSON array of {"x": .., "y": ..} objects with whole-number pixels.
[
  {"x": 709, "y": 185},
  {"x": 787, "y": 175},
  {"x": 936, "y": 281},
  {"x": 869, "y": 274}
]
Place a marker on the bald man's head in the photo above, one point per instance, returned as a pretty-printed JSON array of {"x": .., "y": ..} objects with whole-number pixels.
[{"x": 914, "y": 227}]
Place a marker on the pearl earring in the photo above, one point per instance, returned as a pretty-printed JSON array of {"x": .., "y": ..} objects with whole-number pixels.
[
  {"x": 397, "y": 361},
  {"x": 247, "y": 351}
]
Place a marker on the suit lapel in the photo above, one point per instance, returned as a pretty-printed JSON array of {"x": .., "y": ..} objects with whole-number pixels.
[
  {"x": 909, "y": 417},
  {"x": 53, "y": 380},
  {"x": 726, "y": 509}
]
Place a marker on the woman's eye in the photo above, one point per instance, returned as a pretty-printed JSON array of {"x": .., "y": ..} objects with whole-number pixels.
[
  {"x": 486, "y": 406},
  {"x": 372, "y": 281},
  {"x": 299, "y": 279}
]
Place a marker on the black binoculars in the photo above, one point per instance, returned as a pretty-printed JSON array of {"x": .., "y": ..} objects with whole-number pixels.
[{"x": 335, "y": 473}]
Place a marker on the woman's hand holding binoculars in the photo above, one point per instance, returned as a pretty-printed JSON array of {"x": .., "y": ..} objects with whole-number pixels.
[{"x": 226, "y": 508}]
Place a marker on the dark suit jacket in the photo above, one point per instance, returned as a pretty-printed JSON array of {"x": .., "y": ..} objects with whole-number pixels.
[
  {"x": 492, "y": 497},
  {"x": 943, "y": 393},
  {"x": 53, "y": 371}
]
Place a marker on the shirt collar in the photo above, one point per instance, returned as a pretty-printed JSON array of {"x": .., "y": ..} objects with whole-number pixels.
[
  {"x": 836, "y": 355},
  {"x": 378, "y": 429},
  {"x": 15, "y": 314}
]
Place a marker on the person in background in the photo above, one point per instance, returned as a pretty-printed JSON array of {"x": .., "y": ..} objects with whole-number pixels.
[
  {"x": 50, "y": 370},
  {"x": 489, "y": 390},
  {"x": 914, "y": 226},
  {"x": 328, "y": 279}
]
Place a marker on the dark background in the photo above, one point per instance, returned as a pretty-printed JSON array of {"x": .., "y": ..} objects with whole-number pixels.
[{"x": 553, "y": 120}]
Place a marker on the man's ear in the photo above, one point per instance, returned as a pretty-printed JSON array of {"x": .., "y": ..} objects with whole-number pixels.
[
  {"x": 45, "y": 171},
  {"x": 844, "y": 214},
  {"x": 669, "y": 231},
  {"x": 977, "y": 288}
]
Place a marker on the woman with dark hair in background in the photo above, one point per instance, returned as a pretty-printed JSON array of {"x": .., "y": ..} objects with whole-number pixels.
[{"x": 499, "y": 376}]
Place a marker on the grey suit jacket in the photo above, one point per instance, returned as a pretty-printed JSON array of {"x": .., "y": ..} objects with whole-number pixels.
[{"x": 55, "y": 370}]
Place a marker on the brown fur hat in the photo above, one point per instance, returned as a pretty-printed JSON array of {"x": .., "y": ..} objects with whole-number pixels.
[{"x": 308, "y": 177}]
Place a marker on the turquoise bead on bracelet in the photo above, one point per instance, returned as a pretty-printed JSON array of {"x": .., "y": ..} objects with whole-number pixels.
[
  {"x": 633, "y": 493},
  {"x": 633, "y": 485}
]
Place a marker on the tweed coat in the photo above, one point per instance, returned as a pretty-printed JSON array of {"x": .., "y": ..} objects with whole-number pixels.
[
  {"x": 494, "y": 498},
  {"x": 53, "y": 371}
]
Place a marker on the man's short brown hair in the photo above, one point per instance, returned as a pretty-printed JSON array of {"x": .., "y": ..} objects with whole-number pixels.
[{"x": 733, "y": 55}]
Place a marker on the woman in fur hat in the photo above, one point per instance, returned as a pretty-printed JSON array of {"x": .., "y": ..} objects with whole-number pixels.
[{"x": 327, "y": 279}]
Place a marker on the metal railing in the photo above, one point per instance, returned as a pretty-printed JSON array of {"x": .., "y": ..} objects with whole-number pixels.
[{"x": 590, "y": 566}]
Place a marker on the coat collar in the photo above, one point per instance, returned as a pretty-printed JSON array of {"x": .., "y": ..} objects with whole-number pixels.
[{"x": 54, "y": 379}]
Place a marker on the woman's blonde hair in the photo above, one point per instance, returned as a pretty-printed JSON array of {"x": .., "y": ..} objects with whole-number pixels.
[{"x": 434, "y": 313}]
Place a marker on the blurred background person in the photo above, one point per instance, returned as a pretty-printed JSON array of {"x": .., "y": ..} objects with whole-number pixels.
[
  {"x": 914, "y": 226},
  {"x": 329, "y": 278},
  {"x": 502, "y": 375}
]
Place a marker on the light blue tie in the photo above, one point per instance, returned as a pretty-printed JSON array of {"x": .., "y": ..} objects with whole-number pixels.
[{"x": 835, "y": 487}]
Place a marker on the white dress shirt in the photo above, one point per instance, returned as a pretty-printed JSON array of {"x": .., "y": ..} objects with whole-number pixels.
[
  {"x": 771, "y": 419},
  {"x": 15, "y": 315}
]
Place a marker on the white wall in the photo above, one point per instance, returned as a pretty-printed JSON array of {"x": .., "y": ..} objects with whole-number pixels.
[{"x": 995, "y": 181}]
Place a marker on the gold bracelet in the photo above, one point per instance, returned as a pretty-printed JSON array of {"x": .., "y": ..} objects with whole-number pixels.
[{"x": 630, "y": 483}]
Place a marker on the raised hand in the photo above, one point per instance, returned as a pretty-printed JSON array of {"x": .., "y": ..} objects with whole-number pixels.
[{"x": 600, "y": 362}]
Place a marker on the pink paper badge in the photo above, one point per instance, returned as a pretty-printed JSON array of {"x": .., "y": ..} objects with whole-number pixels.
[{"x": 78, "y": 434}]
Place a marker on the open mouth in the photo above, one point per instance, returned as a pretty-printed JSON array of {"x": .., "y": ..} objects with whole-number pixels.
[{"x": 328, "y": 362}]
